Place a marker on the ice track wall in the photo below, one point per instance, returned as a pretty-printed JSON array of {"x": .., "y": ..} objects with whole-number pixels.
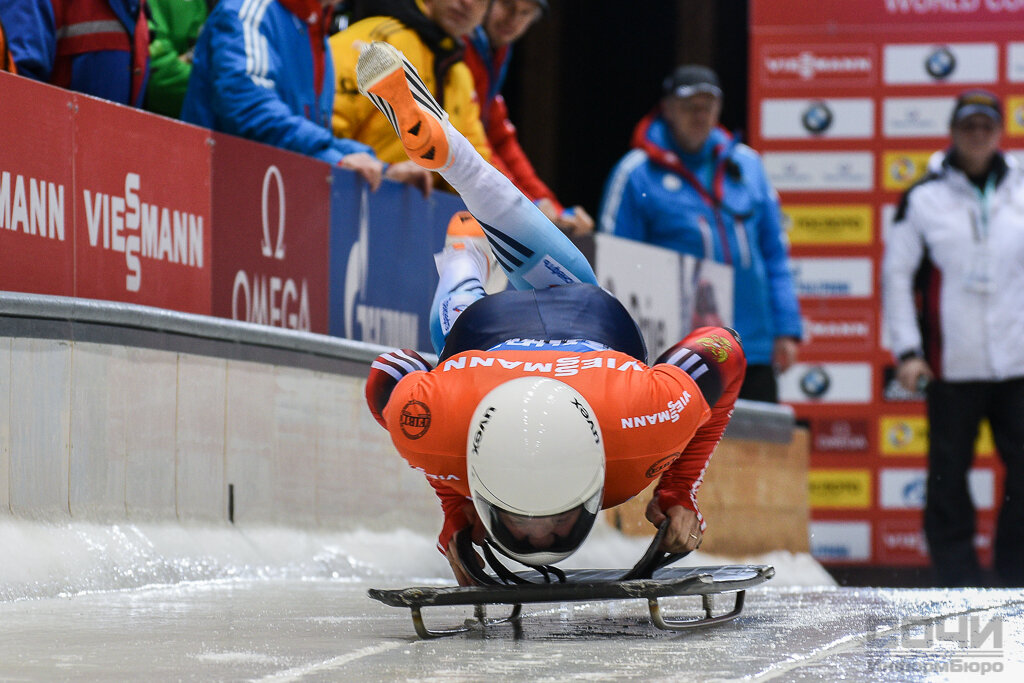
[{"x": 138, "y": 414}]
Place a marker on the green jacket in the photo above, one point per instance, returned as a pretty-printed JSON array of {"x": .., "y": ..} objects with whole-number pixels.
[{"x": 174, "y": 26}]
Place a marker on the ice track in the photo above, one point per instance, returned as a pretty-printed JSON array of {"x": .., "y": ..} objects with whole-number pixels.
[{"x": 273, "y": 605}]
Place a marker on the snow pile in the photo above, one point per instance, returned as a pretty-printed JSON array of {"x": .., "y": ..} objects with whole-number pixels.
[{"x": 50, "y": 559}]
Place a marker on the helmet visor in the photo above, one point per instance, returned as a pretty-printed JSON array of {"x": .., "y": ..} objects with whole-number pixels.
[{"x": 542, "y": 539}]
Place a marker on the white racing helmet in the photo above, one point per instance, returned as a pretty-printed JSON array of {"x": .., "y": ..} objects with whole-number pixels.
[{"x": 535, "y": 459}]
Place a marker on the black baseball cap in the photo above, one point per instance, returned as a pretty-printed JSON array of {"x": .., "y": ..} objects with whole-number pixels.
[
  {"x": 691, "y": 79},
  {"x": 972, "y": 102}
]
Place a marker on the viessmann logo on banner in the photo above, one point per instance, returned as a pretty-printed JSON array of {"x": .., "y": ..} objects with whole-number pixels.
[
  {"x": 902, "y": 540},
  {"x": 833, "y": 330},
  {"x": 272, "y": 210},
  {"x": 820, "y": 65},
  {"x": 142, "y": 227},
  {"x": 36, "y": 189}
]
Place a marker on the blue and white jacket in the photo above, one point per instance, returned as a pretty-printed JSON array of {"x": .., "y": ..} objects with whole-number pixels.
[
  {"x": 717, "y": 205},
  {"x": 262, "y": 71}
]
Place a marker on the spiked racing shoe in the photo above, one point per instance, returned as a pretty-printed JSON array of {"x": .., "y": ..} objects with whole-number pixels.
[{"x": 395, "y": 88}]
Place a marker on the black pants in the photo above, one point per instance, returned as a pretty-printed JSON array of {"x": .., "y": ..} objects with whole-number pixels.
[
  {"x": 955, "y": 411},
  {"x": 760, "y": 384}
]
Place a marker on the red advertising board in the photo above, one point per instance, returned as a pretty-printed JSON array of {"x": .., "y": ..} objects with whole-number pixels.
[
  {"x": 271, "y": 210},
  {"x": 848, "y": 100},
  {"x": 142, "y": 208},
  {"x": 36, "y": 192}
]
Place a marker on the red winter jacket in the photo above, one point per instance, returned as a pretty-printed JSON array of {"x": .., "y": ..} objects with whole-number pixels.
[{"x": 488, "y": 67}]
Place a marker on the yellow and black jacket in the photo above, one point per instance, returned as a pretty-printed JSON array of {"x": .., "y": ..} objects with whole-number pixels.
[{"x": 436, "y": 56}]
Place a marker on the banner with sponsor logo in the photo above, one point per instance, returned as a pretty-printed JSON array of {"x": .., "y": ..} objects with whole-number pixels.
[
  {"x": 845, "y": 126},
  {"x": 91, "y": 207},
  {"x": 37, "y": 230},
  {"x": 382, "y": 272},
  {"x": 142, "y": 214},
  {"x": 272, "y": 211}
]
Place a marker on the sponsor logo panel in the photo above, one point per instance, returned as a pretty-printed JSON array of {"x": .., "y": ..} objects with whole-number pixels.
[
  {"x": 907, "y": 435},
  {"x": 901, "y": 169},
  {"x": 142, "y": 228},
  {"x": 1015, "y": 115},
  {"x": 840, "y": 541},
  {"x": 826, "y": 224},
  {"x": 826, "y": 383},
  {"x": 916, "y": 117},
  {"x": 839, "y": 435},
  {"x": 834, "y": 329},
  {"x": 37, "y": 195},
  {"x": 833, "y": 277},
  {"x": 903, "y": 435},
  {"x": 901, "y": 541},
  {"x": 1015, "y": 62},
  {"x": 905, "y": 488},
  {"x": 787, "y": 119},
  {"x": 820, "y": 171},
  {"x": 272, "y": 210},
  {"x": 819, "y": 65},
  {"x": 936, "y": 64},
  {"x": 839, "y": 488}
]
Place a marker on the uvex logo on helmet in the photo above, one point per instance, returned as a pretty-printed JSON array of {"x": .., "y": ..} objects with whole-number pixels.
[
  {"x": 478, "y": 435},
  {"x": 586, "y": 416}
]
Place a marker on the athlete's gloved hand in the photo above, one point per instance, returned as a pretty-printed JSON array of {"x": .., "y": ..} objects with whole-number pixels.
[
  {"x": 451, "y": 552},
  {"x": 683, "y": 533}
]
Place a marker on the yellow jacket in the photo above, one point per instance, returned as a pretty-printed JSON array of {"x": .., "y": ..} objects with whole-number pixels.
[{"x": 356, "y": 118}]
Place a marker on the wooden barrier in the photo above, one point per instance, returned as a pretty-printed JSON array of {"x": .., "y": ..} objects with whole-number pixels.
[{"x": 754, "y": 498}]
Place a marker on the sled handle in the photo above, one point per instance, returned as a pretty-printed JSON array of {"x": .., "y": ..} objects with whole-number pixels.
[{"x": 653, "y": 559}]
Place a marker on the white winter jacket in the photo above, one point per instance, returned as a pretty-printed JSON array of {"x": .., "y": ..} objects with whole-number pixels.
[{"x": 974, "y": 308}]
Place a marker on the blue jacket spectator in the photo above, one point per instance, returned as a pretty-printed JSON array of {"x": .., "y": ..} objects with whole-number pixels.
[
  {"x": 688, "y": 185},
  {"x": 261, "y": 71},
  {"x": 97, "y": 47}
]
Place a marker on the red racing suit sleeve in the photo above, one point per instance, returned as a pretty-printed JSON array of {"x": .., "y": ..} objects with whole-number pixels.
[
  {"x": 453, "y": 504},
  {"x": 386, "y": 371},
  {"x": 714, "y": 358}
]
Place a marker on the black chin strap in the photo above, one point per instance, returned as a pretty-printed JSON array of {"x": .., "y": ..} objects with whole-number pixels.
[
  {"x": 653, "y": 559},
  {"x": 470, "y": 561}
]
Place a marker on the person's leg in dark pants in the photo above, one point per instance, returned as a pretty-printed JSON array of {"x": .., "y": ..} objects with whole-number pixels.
[
  {"x": 760, "y": 384},
  {"x": 1006, "y": 415},
  {"x": 954, "y": 413}
]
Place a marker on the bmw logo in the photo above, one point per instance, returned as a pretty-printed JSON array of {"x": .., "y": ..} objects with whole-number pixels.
[
  {"x": 940, "y": 63},
  {"x": 815, "y": 382},
  {"x": 817, "y": 118}
]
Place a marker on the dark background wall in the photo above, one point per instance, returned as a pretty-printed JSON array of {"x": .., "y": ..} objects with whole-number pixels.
[{"x": 584, "y": 76}]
